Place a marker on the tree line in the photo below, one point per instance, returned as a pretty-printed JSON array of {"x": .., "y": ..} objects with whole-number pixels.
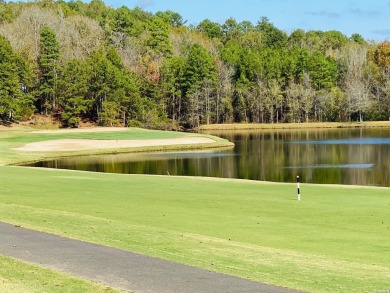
[{"x": 79, "y": 61}]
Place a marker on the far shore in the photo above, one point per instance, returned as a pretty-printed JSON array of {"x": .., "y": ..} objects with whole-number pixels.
[
  {"x": 259, "y": 126},
  {"x": 228, "y": 126}
]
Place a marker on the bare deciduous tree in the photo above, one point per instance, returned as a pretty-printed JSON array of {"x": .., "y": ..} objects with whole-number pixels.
[
  {"x": 357, "y": 81},
  {"x": 78, "y": 36},
  {"x": 23, "y": 33},
  {"x": 300, "y": 98},
  {"x": 224, "y": 91},
  {"x": 307, "y": 96},
  {"x": 274, "y": 100}
]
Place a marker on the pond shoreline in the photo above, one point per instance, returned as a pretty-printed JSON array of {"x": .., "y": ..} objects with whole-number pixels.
[
  {"x": 350, "y": 156},
  {"x": 99, "y": 141},
  {"x": 309, "y": 125}
]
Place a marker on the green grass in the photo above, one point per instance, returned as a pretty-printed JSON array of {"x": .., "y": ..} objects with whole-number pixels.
[
  {"x": 10, "y": 139},
  {"x": 19, "y": 274},
  {"x": 337, "y": 239},
  {"x": 20, "y": 277}
]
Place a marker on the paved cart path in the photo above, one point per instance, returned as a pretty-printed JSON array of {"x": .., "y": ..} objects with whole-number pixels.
[{"x": 117, "y": 268}]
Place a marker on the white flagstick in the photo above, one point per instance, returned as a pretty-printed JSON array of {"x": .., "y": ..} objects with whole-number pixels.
[{"x": 299, "y": 192}]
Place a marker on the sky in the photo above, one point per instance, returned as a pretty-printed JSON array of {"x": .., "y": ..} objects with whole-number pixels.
[{"x": 370, "y": 18}]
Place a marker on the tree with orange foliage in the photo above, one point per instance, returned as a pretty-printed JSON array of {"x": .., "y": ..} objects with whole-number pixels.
[{"x": 381, "y": 55}]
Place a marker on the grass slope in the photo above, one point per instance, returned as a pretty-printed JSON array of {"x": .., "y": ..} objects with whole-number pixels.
[
  {"x": 13, "y": 138},
  {"x": 337, "y": 239},
  {"x": 20, "y": 277}
]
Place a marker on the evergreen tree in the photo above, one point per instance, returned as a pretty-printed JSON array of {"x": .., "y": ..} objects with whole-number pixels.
[
  {"x": 172, "y": 84},
  {"x": 126, "y": 95},
  {"x": 210, "y": 29},
  {"x": 151, "y": 67},
  {"x": 159, "y": 41},
  {"x": 199, "y": 83},
  {"x": 172, "y": 18},
  {"x": 49, "y": 69},
  {"x": 130, "y": 22},
  {"x": 357, "y": 38},
  {"x": 274, "y": 37},
  {"x": 200, "y": 67},
  {"x": 322, "y": 70},
  {"x": 73, "y": 86},
  {"x": 100, "y": 81},
  {"x": 15, "y": 99},
  {"x": 230, "y": 29},
  {"x": 114, "y": 92}
]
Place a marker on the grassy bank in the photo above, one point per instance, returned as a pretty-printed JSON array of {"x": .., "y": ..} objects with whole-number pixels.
[
  {"x": 259, "y": 126},
  {"x": 17, "y": 276},
  {"x": 13, "y": 138},
  {"x": 20, "y": 277},
  {"x": 335, "y": 240}
]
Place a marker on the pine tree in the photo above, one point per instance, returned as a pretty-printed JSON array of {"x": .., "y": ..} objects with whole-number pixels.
[
  {"x": 48, "y": 65},
  {"x": 159, "y": 40},
  {"x": 74, "y": 89},
  {"x": 200, "y": 79},
  {"x": 114, "y": 93},
  {"x": 172, "y": 85},
  {"x": 14, "y": 78}
]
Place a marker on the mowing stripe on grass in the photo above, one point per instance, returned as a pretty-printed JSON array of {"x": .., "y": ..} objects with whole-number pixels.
[
  {"x": 337, "y": 239},
  {"x": 118, "y": 268}
]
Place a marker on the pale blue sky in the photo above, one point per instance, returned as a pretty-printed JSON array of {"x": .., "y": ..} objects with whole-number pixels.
[{"x": 370, "y": 18}]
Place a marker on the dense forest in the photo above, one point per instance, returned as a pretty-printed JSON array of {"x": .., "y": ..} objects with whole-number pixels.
[{"x": 77, "y": 61}]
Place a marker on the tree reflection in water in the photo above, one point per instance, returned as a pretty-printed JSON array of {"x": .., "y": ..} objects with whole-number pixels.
[{"x": 339, "y": 156}]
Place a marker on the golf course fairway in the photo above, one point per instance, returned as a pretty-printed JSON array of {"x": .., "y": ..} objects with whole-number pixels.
[{"x": 336, "y": 239}]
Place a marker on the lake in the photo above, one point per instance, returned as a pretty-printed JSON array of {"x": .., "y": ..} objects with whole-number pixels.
[{"x": 337, "y": 156}]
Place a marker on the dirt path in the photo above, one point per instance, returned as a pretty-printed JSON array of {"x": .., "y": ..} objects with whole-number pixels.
[{"x": 117, "y": 268}]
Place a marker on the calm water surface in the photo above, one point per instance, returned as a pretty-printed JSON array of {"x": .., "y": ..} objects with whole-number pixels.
[{"x": 342, "y": 156}]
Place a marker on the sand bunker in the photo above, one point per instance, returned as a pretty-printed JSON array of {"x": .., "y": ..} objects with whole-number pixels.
[{"x": 94, "y": 144}]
